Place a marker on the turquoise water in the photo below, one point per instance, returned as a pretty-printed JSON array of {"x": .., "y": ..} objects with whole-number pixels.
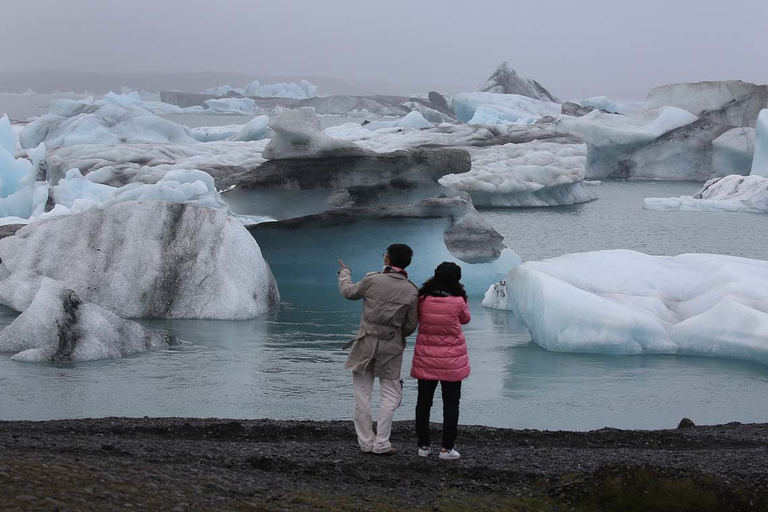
[{"x": 289, "y": 364}]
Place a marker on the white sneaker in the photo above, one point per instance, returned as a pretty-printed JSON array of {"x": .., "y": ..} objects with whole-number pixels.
[
  {"x": 449, "y": 455},
  {"x": 424, "y": 451}
]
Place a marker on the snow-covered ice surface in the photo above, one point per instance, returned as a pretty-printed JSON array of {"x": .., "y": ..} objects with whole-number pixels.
[
  {"x": 489, "y": 108},
  {"x": 760, "y": 159},
  {"x": 256, "y": 129},
  {"x": 143, "y": 259},
  {"x": 734, "y": 193},
  {"x": 59, "y": 326},
  {"x": 106, "y": 121},
  {"x": 413, "y": 119},
  {"x": 626, "y": 302}
]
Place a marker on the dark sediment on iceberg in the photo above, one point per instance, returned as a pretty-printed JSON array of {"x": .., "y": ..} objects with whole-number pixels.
[{"x": 218, "y": 464}]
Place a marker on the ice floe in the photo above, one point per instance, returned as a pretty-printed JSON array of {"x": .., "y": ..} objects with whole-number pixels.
[{"x": 625, "y": 302}]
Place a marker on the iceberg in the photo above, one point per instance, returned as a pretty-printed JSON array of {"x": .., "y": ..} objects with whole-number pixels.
[
  {"x": 624, "y": 302},
  {"x": 511, "y": 165},
  {"x": 760, "y": 159},
  {"x": 238, "y": 106},
  {"x": 309, "y": 172},
  {"x": 734, "y": 193},
  {"x": 611, "y": 140},
  {"x": 600, "y": 103},
  {"x": 256, "y": 129},
  {"x": 143, "y": 259},
  {"x": 535, "y": 173},
  {"x": 505, "y": 80},
  {"x": 72, "y": 122},
  {"x": 298, "y": 135},
  {"x": 58, "y": 326},
  {"x": 734, "y": 102},
  {"x": 413, "y": 120},
  {"x": 489, "y": 108}
]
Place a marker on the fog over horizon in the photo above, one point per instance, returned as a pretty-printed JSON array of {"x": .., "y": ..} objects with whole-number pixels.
[{"x": 595, "y": 47}]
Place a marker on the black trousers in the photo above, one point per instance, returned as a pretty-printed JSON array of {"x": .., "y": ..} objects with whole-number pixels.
[{"x": 451, "y": 396}]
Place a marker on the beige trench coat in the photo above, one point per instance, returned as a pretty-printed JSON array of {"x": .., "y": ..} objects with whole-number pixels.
[{"x": 390, "y": 314}]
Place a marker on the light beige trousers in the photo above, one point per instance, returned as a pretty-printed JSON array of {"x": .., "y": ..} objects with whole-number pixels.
[{"x": 391, "y": 395}]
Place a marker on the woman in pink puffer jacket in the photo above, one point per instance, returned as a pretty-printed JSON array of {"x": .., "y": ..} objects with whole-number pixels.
[{"x": 441, "y": 354}]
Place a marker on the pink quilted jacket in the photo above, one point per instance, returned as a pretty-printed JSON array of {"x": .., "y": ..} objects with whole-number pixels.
[{"x": 441, "y": 349}]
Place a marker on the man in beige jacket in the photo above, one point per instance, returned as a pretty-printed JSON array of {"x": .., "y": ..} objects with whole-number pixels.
[{"x": 390, "y": 314}]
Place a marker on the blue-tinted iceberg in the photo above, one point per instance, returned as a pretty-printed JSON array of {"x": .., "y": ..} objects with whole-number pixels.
[
  {"x": 107, "y": 121},
  {"x": 626, "y": 302},
  {"x": 59, "y": 326}
]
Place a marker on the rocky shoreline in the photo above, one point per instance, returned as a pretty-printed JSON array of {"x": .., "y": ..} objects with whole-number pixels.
[{"x": 218, "y": 464}]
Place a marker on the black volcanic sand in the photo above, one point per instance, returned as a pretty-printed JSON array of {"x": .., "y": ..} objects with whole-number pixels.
[{"x": 212, "y": 464}]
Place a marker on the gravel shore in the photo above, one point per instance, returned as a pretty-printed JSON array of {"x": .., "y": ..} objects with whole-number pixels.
[{"x": 180, "y": 464}]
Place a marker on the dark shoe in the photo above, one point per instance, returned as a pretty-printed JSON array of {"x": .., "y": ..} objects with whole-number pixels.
[{"x": 391, "y": 451}]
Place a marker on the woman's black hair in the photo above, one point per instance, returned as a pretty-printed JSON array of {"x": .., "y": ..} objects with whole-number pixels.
[{"x": 445, "y": 282}]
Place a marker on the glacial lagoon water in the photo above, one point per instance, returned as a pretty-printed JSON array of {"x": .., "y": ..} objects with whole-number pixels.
[{"x": 289, "y": 364}]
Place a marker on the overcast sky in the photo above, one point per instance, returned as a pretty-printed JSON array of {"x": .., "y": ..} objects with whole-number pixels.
[{"x": 575, "y": 48}]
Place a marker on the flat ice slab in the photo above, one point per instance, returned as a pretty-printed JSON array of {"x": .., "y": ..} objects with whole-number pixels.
[{"x": 626, "y": 302}]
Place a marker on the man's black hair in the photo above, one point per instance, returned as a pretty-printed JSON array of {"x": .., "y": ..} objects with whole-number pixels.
[{"x": 399, "y": 255}]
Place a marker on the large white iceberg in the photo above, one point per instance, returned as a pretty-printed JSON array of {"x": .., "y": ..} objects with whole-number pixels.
[
  {"x": 143, "y": 259},
  {"x": 59, "y": 326},
  {"x": 626, "y": 302},
  {"x": 72, "y": 122}
]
